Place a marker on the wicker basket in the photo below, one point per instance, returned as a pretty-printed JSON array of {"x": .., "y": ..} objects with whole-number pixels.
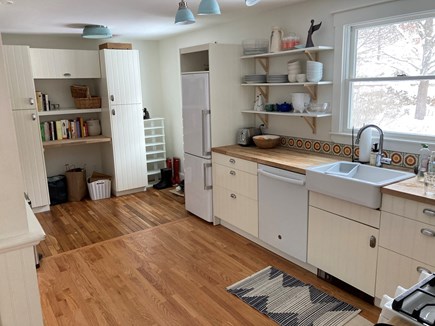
[
  {"x": 88, "y": 103},
  {"x": 80, "y": 91}
]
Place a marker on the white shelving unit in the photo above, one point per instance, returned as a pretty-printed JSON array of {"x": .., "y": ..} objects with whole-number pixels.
[
  {"x": 155, "y": 147},
  {"x": 311, "y": 87}
]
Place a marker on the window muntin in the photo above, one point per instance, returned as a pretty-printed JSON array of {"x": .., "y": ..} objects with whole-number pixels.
[{"x": 391, "y": 77}]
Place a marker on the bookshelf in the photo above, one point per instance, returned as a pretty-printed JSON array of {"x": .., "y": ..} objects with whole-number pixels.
[
  {"x": 69, "y": 111},
  {"x": 78, "y": 141}
]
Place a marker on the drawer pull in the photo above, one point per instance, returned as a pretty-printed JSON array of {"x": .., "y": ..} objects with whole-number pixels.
[
  {"x": 233, "y": 196},
  {"x": 422, "y": 269},
  {"x": 427, "y": 232},
  {"x": 232, "y": 161},
  {"x": 372, "y": 241},
  {"x": 429, "y": 212},
  {"x": 233, "y": 172}
]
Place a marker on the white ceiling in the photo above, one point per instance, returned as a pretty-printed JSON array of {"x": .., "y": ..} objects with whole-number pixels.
[{"x": 144, "y": 19}]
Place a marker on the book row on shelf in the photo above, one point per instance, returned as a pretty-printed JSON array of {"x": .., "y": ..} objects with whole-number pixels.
[
  {"x": 43, "y": 104},
  {"x": 64, "y": 129}
]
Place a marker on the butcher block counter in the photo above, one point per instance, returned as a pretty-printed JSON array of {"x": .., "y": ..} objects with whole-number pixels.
[
  {"x": 298, "y": 161},
  {"x": 278, "y": 157}
]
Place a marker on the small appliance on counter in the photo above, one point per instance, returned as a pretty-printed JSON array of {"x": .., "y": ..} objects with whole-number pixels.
[{"x": 244, "y": 135}]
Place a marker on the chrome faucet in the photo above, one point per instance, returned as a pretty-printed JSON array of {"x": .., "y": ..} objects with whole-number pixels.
[{"x": 380, "y": 159}]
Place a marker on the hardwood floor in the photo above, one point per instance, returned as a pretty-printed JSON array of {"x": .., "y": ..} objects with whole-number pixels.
[
  {"x": 174, "y": 273},
  {"x": 74, "y": 225}
]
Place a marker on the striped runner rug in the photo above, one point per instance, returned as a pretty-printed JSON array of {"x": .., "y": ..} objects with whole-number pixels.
[{"x": 291, "y": 302}]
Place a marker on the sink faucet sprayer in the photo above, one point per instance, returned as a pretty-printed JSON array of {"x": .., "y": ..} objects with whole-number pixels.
[{"x": 380, "y": 159}]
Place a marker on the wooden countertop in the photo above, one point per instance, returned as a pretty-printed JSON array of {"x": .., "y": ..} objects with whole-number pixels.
[
  {"x": 298, "y": 161},
  {"x": 278, "y": 157},
  {"x": 409, "y": 189}
]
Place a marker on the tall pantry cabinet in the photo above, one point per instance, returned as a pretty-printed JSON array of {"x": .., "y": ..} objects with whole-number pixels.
[
  {"x": 22, "y": 93},
  {"x": 122, "y": 120}
]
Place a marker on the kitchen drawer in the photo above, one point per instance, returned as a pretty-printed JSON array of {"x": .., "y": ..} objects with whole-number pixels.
[
  {"x": 236, "y": 209},
  {"x": 395, "y": 270},
  {"x": 344, "y": 208},
  {"x": 404, "y": 236},
  {"x": 408, "y": 208},
  {"x": 235, "y": 180},
  {"x": 235, "y": 163}
]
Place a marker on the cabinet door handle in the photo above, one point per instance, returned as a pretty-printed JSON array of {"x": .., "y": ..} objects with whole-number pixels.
[
  {"x": 372, "y": 241},
  {"x": 232, "y": 161},
  {"x": 112, "y": 98},
  {"x": 233, "y": 196},
  {"x": 423, "y": 269},
  {"x": 429, "y": 212},
  {"x": 427, "y": 232},
  {"x": 113, "y": 112},
  {"x": 33, "y": 116},
  {"x": 31, "y": 101},
  {"x": 67, "y": 74},
  {"x": 233, "y": 172}
]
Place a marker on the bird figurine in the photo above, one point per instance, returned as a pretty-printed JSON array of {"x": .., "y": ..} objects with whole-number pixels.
[{"x": 312, "y": 29}]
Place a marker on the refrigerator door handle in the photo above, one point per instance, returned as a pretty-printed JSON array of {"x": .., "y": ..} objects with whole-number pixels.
[
  {"x": 204, "y": 167},
  {"x": 205, "y": 151}
]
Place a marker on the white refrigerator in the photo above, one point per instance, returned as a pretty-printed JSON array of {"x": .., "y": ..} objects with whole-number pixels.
[{"x": 197, "y": 144}]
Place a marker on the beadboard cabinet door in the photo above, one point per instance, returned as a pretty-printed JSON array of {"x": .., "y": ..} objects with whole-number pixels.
[
  {"x": 31, "y": 156},
  {"x": 121, "y": 74},
  {"x": 61, "y": 63},
  {"x": 129, "y": 158},
  {"x": 19, "y": 76}
]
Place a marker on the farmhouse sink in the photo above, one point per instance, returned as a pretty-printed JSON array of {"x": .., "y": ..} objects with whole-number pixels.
[{"x": 353, "y": 182}]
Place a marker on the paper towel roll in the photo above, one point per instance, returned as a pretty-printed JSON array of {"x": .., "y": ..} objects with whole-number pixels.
[{"x": 365, "y": 145}]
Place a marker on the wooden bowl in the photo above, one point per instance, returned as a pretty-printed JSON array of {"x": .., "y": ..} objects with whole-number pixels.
[{"x": 266, "y": 141}]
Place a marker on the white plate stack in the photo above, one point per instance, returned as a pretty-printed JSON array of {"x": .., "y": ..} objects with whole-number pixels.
[
  {"x": 294, "y": 68},
  {"x": 254, "y": 79},
  {"x": 314, "y": 71}
]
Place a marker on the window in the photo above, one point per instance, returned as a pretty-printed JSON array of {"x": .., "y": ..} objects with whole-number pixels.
[{"x": 391, "y": 77}]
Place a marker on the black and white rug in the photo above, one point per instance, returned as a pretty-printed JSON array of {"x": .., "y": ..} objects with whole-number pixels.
[{"x": 291, "y": 302}]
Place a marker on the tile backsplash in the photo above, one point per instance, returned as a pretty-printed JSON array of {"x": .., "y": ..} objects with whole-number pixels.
[{"x": 401, "y": 159}]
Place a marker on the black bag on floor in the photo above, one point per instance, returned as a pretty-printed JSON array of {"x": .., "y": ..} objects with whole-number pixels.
[{"x": 57, "y": 189}]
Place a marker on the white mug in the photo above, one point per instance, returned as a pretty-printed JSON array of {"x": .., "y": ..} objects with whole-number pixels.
[{"x": 300, "y": 101}]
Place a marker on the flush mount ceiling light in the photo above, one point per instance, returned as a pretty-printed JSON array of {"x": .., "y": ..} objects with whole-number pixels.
[
  {"x": 250, "y": 3},
  {"x": 96, "y": 32},
  {"x": 209, "y": 7},
  {"x": 184, "y": 16}
]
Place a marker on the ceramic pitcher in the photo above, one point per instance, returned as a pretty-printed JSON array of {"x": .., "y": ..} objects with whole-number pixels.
[{"x": 275, "y": 39}]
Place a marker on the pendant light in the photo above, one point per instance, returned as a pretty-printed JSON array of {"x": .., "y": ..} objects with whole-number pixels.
[
  {"x": 184, "y": 16},
  {"x": 96, "y": 32},
  {"x": 250, "y": 3},
  {"x": 209, "y": 7}
]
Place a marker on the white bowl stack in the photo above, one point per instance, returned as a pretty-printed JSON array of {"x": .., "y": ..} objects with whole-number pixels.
[
  {"x": 294, "y": 68},
  {"x": 314, "y": 71}
]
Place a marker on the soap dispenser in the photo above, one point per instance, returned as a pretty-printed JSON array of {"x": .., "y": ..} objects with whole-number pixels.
[
  {"x": 423, "y": 160},
  {"x": 374, "y": 153}
]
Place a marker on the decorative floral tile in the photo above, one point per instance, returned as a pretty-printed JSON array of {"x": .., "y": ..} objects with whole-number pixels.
[{"x": 407, "y": 160}]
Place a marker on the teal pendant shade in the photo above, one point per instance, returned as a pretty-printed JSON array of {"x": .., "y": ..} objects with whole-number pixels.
[
  {"x": 209, "y": 7},
  {"x": 96, "y": 32},
  {"x": 250, "y": 3},
  {"x": 184, "y": 16}
]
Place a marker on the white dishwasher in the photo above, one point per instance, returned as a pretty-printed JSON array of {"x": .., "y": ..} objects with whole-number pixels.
[{"x": 283, "y": 210}]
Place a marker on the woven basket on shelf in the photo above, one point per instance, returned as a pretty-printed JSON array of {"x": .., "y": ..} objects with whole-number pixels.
[
  {"x": 80, "y": 91},
  {"x": 88, "y": 103}
]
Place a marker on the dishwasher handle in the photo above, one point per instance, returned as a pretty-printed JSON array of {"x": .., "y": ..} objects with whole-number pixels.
[{"x": 280, "y": 178}]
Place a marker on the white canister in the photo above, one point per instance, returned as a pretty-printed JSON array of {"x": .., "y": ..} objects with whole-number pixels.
[
  {"x": 94, "y": 128},
  {"x": 300, "y": 101},
  {"x": 365, "y": 145},
  {"x": 276, "y": 39}
]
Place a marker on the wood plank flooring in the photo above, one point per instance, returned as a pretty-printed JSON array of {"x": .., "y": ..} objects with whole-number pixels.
[
  {"x": 174, "y": 273},
  {"x": 74, "y": 225}
]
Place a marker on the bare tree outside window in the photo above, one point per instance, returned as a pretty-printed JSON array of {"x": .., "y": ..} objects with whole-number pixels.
[{"x": 392, "y": 82}]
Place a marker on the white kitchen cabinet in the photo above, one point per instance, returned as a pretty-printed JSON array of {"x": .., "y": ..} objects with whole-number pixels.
[
  {"x": 407, "y": 243},
  {"x": 155, "y": 147},
  {"x": 235, "y": 197},
  {"x": 344, "y": 246},
  {"x": 61, "y": 63},
  {"x": 26, "y": 122},
  {"x": 122, "y": 120}
]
